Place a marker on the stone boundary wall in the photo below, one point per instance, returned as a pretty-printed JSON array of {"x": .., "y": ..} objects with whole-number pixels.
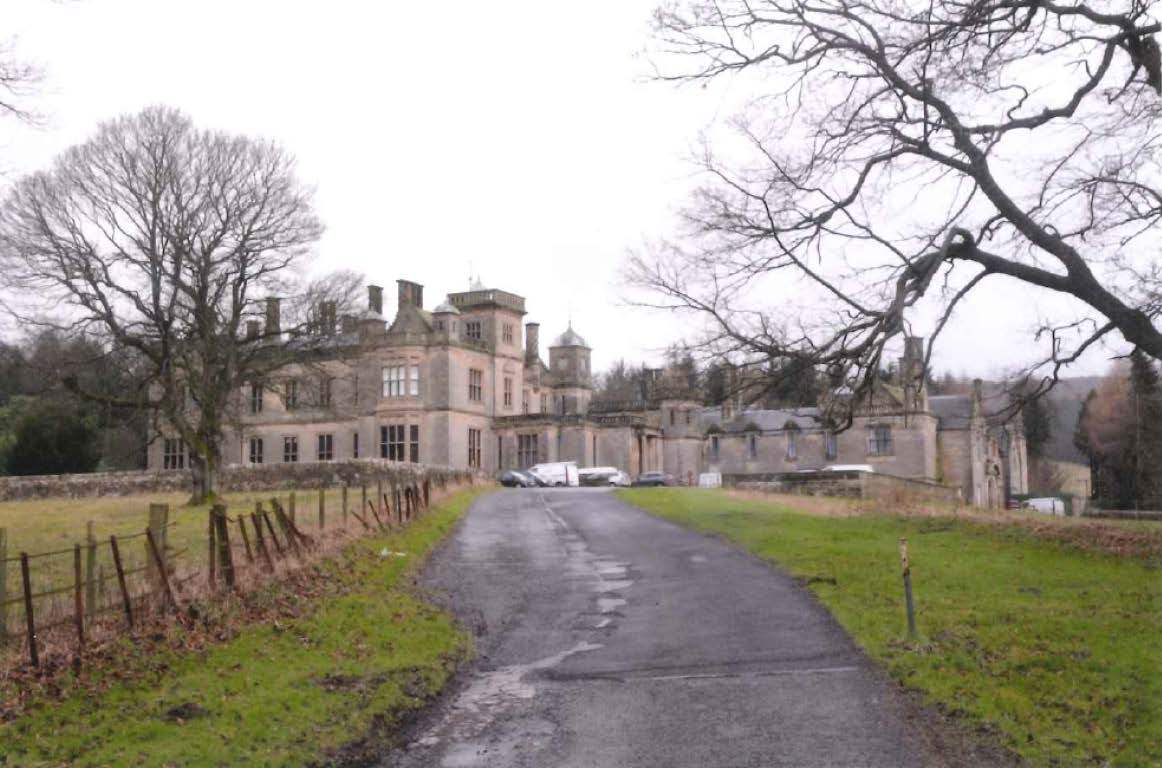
[
  {"x": 234, "y": 478},
  {"x": 852, "y": 484}
]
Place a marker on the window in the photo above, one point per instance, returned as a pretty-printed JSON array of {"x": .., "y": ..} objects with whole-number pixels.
[
  {"x": 752, "y": 445},
  {"x": 324, "y": 391},
  {"x": 475, "y": 384},
  {"x": 499, "y": 451},
  {"x": 673, "y": 417},
  {"x": 714, "y": 447},
  {"x": 524, "y": 401},
  {"x": 792, "y": 443},
  {"x": 507, "y": 392},
  {"x": 391, "y": 442},
  {"x": 355, "y": 445},
  {"x": 292, "y": 395},
  {"x": 506, "y": 333},
  {"x": 401, "y": 380},
  {"x": 688, "y": 416},
  {"x": 290, "y": 449},
  {"x": 474, "y": 448},
  {"x": 256, "y": 450},
  {"x": 472, "y": 329},
  {"x": 173, "y": 453},
  {"x": 256, "y": 398},
  {"x": 879, "y": 441},
  {"x": 526, "y": 450},
  {"x": 414, "y": 444},
  {"x": 326, "y": 447},
  {"x": 830, "y": 445},
  {"x": 544, "y": 403}
]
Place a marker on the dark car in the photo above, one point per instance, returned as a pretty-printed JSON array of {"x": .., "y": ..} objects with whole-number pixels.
[
  {"x": 514, "y": 478},
  {"x": 653, "y": 479}
]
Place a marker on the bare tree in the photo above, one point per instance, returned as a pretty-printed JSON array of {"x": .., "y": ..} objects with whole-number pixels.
[
  {"x": 904, "y": 152},
  {"x": 18, "y": 81},
  {"x": 171, "y": 244}
]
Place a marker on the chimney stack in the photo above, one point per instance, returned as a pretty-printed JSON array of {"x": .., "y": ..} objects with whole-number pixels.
[
  {"x": 375, "y": 299},
  {"x": 410, "y": 293},
  {"x": 532, "y": 341},
  {"x": 253, "y": 328},
  {"x": 273, "y": 316}
]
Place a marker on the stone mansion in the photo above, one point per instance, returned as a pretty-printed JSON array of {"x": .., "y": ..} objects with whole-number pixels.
[{"x": 465, "y": 385}]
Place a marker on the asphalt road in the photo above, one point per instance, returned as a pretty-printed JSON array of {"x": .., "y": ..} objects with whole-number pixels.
[{"x": 608, "y": 637}]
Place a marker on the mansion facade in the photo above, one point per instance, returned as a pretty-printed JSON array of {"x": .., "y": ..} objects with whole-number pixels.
[{"x": 465, "y": 385}]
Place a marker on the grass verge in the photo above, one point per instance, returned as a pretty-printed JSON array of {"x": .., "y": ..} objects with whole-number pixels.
[
  {"x": 1054, "y": 647},
  {"x": 330, "y": 685}
]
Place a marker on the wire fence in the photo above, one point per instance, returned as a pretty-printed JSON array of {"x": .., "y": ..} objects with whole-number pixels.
[{"x": 57, "y": 604}]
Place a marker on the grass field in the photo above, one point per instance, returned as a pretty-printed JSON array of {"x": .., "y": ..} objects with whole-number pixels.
[
  {"x": 1057, "y": 649},
  {"x": 279, "y": 693}
]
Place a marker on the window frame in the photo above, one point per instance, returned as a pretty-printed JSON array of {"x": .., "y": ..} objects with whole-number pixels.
[
  {"x": 291, "y": 394},
  {"x": 474, "y": 329},
  {"x": 290, "y": 449},
  {"x": 326, "y": 393},
  {"x": 879, "y": 440},
  {"x": 256, "y": 456},
  {"x": 257, "y": 390},
  {"x": 475, "y": 385},
  {"x": 527, "y": 450},
  {"x": 508, "y": 392},
  {"x": 173, "y": 453},
  {"x": 474, "y": 445},
  {"x": 325, "y": 447}
]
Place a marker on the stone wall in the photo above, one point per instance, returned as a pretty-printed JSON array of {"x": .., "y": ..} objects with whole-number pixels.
[
  {"x": 234, "y": 478},
  {"x": 846, "y": 484}
]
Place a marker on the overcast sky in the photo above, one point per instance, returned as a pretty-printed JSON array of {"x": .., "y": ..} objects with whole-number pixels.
[{"x": 522, "y": 140}]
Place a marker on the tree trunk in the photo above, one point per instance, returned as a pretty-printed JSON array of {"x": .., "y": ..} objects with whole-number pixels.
[{"x": 204, "y": 473}]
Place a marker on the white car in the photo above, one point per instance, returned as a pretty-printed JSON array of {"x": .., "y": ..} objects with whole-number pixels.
[{"x": 557, "y": 473}]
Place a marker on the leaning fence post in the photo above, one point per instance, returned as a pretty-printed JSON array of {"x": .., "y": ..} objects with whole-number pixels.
[
  {"x": 158, "y": 520},
  {"x": 163, "y": 577},
  {"x": 225, "y": 556},
  {"x": 259, "y": 539},
  {"x": 344, "y": 505},
  {"x": 121, "y": 580},
  {"x": 273, "y": 537},
  {"x": 290, "y": 507},
  {"x": 908, "y": 587},
  {"x": 3, "y": 586},
  {"x": 363, "y": 496},
  {"x": 29, "y": 621},
  {"x": 90, "y": 570},
  {"x": 379, "y": 490},
  {"x": 78, "y": 601},
  {"x": 245, "y": 537},
  {"x": 322, "y": 507}
]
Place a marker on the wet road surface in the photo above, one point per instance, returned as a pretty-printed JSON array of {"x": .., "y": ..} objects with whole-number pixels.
[{"x": 608, "y": 637}]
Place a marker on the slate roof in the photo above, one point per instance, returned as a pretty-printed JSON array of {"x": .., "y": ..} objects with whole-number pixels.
[
  {"x": 766, "y": 419},
  {"x": 570, "y": 338},
  {"x": 952, "y": 411}
]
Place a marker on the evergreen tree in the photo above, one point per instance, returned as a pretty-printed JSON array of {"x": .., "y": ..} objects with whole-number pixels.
[{"x": 1144, "y": 446}]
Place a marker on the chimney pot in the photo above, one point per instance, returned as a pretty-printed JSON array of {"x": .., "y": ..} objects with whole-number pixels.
[{"x": 532, "y": 341}]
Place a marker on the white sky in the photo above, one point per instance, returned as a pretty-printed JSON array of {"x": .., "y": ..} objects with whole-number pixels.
[{"x": 522, "y": 138}]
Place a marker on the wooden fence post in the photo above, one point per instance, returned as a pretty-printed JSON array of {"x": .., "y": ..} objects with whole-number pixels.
[
  {"x": 225, "y": 555},
  {"x": 273, "y": 537},
  {"x": 322, "y": 507},
  {"x": 159, "y": 561},
  {"x": 908, "y": 587},
  {"x": 363, "y": 496},
  {"x": 78, "y": 601},
  {"x": 290, "y": 509},
  {"x": 29, "y": 620},
  {"x": 375, "y": 514},
  {"x": 90, "y": 570},
  {"x": 379, "y": 491},
  {"x": 3, "y": 586},
  {"x": 344, "y": 505},
  {"x": 212, "y": 548},
  {"x": 260, "y": 540},
  {"x": 158, "y": 524},
  {"x": 121, "y": 580},
  {"x": 245, "y": 537}
]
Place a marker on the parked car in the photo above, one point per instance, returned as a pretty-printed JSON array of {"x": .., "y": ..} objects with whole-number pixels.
[
  {"x": 515, "y": 478},
  {"x": 653, "y": 479},
  {"x": 602, "y": 476},
  {"x": 556, "y": 473}
]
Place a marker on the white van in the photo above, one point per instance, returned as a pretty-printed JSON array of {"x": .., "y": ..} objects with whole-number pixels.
[
  {"x": 557, "y": 473},
  {"x": 1048, "y": 505}
]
